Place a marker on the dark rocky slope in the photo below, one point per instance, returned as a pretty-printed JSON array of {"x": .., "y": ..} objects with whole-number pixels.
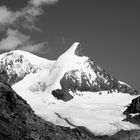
[{"x": 133, "y": 108}]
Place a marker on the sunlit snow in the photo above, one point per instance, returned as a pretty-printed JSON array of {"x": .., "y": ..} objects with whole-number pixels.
[{"x": 100, "y": 113}]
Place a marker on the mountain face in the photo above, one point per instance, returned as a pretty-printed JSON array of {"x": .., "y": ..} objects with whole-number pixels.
[{"x": 74, "y": 92}]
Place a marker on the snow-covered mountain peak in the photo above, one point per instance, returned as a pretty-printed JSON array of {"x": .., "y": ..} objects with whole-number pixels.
[
  {"x": 70, "y": 60},
  {"x": 75, "y": 49}
]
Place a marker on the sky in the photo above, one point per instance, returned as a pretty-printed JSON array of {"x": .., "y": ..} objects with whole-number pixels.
[{"x": 108, "y": 30}]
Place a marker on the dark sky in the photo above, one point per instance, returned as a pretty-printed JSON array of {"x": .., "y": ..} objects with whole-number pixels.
[{"x": 108, "y": 30}]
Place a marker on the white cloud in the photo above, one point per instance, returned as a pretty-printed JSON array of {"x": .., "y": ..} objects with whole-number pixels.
[
  {"x": 16, "y": 40},
  {"x": 13, "y": 40},
  {"x": 40, "y": 47},
  {"x": 41, "y": 2},
  {"x": 25, "y": 17},
  {"x": 12, "y": 21},
  {"x": 6, "y": 16}
]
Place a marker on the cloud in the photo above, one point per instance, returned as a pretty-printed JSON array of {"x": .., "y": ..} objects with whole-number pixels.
[
  {"x": 25, "y": 17},
  {"x": 40, "y": 48},
  {"x": 15, "y": 40},
  {"x": 41, "y": 2},
  {"x": 6, "y": 16},
  {"x": 12, "y": 21}
]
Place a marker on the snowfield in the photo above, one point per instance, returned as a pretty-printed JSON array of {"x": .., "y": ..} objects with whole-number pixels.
[{"x": 100, "y": 113}]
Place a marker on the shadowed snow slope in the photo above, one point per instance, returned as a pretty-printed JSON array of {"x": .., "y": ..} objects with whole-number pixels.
[{"x": 98, "y": 99}]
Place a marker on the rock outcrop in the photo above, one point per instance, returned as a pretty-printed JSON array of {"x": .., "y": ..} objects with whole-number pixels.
[{"x": 134, "y": 107}]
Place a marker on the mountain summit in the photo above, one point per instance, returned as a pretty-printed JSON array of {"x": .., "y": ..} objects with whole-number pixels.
[{"x": 75, "y": 49}]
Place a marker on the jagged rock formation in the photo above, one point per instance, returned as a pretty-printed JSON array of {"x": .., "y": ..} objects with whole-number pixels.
[
  {"x": 133, "y": 112},
  {"x": 134, "y": 107}
]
